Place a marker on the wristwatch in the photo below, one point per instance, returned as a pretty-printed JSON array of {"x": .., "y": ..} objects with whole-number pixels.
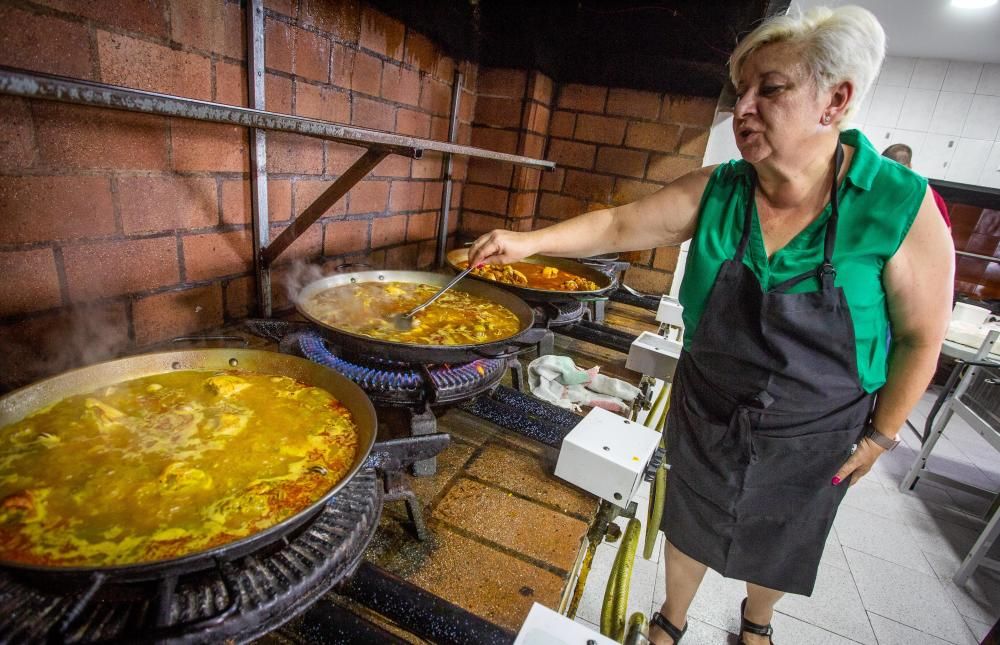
[{"x": 880, "y": 439}]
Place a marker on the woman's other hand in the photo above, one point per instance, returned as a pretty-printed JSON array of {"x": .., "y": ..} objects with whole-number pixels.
[
  {"x": 858, "y": 465},
  {"x": 501, "y": 247}
]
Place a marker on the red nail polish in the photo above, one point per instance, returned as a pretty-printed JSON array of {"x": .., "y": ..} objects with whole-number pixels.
[
  {"x": 835, "y": 480},
  {"x": 480, "y": 265}
]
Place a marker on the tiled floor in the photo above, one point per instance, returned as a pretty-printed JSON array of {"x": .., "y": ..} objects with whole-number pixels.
[{"x": 886, "y": 573}]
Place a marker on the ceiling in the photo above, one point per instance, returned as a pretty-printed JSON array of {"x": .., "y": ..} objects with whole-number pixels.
[
  {"x": 932, "y": 28},
  {"x": 678, "y": 46}
]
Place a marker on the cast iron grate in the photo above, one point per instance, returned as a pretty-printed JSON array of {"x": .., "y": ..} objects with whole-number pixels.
[
  {"x": 559, "y": 314},
  {"x": 239, "y": 601}
]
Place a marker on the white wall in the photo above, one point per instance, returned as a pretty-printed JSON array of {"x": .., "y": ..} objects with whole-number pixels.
[
  {"x": 947, "y": 111},
  {"x": 721, "y": 148}
]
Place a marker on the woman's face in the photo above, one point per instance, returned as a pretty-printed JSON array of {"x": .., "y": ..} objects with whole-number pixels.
[{"x": 778, "y": 108}]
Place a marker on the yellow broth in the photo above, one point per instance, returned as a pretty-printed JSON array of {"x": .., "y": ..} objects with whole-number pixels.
[
  {"x": 456, "y": 318},
  {"x": 167, "y": 465}
]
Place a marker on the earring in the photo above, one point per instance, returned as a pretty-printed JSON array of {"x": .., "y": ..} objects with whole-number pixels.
[{"x": 826, "y": 119}]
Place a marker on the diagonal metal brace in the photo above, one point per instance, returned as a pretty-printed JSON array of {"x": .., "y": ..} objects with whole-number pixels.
[{"x": 322, "y": 204}]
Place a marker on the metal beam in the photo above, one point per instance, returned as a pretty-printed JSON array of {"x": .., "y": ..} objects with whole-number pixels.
[
  {"x": 258, "y": 155},
  {"x": 442, "y": 232},
  {"x": 321, "y": 204},
  {"x": 35, "y": 85}
]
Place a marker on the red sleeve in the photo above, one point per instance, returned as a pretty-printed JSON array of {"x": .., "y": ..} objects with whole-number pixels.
[{"x": 942, "y": 206}]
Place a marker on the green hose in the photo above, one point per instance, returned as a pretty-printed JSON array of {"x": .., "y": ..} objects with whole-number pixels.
[
  {"x": 659, "y": 492},
  {"x": 616, "y": 594},
  {"x": 655, "y": 409},
  {"x": 636, "y": 625}
]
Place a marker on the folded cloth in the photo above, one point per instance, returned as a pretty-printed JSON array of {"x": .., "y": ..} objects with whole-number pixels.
[{"x": 558, "y": 380}]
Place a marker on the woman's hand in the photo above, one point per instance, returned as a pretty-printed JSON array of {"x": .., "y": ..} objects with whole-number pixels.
[
  {"x": 858, "y": 465},
  {"x": 501, "y": 247}
]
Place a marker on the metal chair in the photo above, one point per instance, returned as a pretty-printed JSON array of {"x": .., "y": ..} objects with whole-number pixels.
[{"x": 973, "y": 393}]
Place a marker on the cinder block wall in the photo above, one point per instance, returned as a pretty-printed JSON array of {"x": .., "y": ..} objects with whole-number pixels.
[{"x": 120, "y": 230}]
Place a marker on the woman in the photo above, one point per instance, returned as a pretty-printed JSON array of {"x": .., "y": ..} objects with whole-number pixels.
[{"x": 804, "y": 255}]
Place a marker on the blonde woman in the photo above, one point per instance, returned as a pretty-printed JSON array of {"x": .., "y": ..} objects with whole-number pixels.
[{"x": 804, "y": 255}]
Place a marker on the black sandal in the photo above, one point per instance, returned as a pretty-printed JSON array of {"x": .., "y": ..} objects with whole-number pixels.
[
  {"x": 753, "y": 628},
  {"x": 667, "y": 626}
]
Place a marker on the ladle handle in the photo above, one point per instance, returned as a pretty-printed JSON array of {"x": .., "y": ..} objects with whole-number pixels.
[{"x": 437, "y": 295}]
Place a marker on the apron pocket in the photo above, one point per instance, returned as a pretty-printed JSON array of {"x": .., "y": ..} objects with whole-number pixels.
[
  {"x": 791, "y": 479},
  {"x": 704, "y": 454}
]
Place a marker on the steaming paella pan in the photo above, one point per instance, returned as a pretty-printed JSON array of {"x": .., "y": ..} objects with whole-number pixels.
[
  {"x": 165, "y": 461},
  {"x": 472, "y": 320}
]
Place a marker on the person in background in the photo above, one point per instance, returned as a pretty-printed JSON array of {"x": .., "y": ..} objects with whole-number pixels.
[
  {"x": 802, "y": 255},
  {"x": 902, "y": 153}
]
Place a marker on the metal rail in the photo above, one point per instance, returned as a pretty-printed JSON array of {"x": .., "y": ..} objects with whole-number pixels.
[
  {"x": 35, "y": 85},
  {"x": 976, "y": 256},
  {"x": 442, "y": 232}
]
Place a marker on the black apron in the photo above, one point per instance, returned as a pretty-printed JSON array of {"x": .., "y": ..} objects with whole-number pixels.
[{"x": 767, "y": 406}]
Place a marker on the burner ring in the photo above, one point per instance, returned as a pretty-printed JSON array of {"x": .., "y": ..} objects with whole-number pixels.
[{"x": 403, "y": 382}]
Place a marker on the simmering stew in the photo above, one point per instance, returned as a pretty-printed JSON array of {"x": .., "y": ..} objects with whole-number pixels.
[
  {"x": 456, "y": 318},
  {"x": 167, "y": 465},
  {"x": 534, "y": 276}
]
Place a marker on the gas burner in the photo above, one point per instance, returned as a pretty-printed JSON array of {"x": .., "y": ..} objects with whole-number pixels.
[
  {"x": 560, "y": 314},
  {"x": 239, "y": 601},
  {"x": 401, "y": 384}
]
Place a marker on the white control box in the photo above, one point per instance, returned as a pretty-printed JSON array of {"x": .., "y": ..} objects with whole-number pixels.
[
  {"x": 654, "y": 355},
  {"x": 546, "y": 627},
  {"x": 605, "y": 454},
  {"x": 670, "y": 312}
]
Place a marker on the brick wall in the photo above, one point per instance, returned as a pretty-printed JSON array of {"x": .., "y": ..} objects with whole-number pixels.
[
  {"x": 612, "y": 146},
  {"x": 513, "y": 109},
  {"x": 122, "y": 230}
]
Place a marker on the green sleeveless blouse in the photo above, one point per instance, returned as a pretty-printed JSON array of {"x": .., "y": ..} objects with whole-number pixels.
[{"x": 879, "y": 200}]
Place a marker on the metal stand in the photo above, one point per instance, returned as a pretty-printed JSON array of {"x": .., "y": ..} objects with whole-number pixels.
[
  {"x": 423, "y": 423},
  {"x": 976, "y": 400}
]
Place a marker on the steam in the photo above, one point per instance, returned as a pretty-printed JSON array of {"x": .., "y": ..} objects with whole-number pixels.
[
  {"x": 299, "y": 274},
  {"x": 62, "y": 340}
]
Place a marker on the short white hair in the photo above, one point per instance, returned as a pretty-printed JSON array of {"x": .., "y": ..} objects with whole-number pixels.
[{"x": 842, "y": 44}]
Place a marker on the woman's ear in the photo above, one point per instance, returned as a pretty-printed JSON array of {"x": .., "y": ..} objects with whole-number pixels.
[{"x": 840, "y": 98}]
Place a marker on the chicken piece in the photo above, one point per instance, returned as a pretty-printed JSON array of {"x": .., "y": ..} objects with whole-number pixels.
[
  {"x": 106, "y": 410},
  {"x": 178, "y": 476},
  {"x": 225, "y": 385},
  {"x": 569, "y": 285},
  {"x": 518, "y": 277},
  {"x": 550, "y": 272},
  {"x": 19, "y": 501}
]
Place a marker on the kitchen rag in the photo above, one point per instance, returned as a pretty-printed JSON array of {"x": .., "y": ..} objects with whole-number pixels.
[{"x": 558, "y": 380}]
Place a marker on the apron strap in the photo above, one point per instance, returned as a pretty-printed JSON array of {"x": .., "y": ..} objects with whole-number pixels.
[
  {"x": 826, "y": 272},
  {"x": 747, "y": 216}
]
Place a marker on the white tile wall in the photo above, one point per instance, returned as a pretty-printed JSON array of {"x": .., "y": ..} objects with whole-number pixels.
[
  {"x": 887, "y": 103},
  {"x": 897, "y": 71},
  {"x": 970, "y": 158},
  {"x": 947, "y": 111},
  {"x": 928, "y": 74},
  {"x": 989, "y": 82},
  {"x": 918, "y": 108},
  {"x": 950, "y": 112},
  {"x": 984, "y": 118},
  {"x": 991, "y": 172},
  {"x": 962, "y": 76}
]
